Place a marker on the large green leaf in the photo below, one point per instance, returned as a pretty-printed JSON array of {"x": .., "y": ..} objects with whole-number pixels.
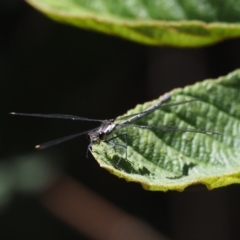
[
  {"x": 164, "y": 160},
  {"x": 158, "y": 22}
]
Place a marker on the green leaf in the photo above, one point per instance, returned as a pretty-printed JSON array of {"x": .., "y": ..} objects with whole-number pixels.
[
  {"x": 164, "y": 160},
  {"x": 178, "y": 23}
]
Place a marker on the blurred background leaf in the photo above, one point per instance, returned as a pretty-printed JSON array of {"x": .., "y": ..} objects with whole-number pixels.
[
  {"x": 29, "y": 174},
  {"x": 184, "y": 23}
]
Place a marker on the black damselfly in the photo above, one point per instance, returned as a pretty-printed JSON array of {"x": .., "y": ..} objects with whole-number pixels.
[{"x": 105, "y": 131}]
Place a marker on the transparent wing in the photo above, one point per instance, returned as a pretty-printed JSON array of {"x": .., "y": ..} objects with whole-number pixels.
[
  {"x": 63, "y": 139},
  {"x": 60, "y": 116}
]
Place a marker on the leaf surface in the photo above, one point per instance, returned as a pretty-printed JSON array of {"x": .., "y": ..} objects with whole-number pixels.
[{"x": 162, "y": 159}]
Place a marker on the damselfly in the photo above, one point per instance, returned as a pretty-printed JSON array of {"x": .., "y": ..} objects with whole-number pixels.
[{"x": 105, "y": 132}]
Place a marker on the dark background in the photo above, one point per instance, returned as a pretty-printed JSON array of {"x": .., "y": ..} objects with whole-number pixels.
[{"x": 47, "y": 67}]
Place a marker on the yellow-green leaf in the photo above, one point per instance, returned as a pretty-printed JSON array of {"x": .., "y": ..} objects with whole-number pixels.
[
  {"x": 185, "y": 23},
  {"x": 162, "y": 159}
]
